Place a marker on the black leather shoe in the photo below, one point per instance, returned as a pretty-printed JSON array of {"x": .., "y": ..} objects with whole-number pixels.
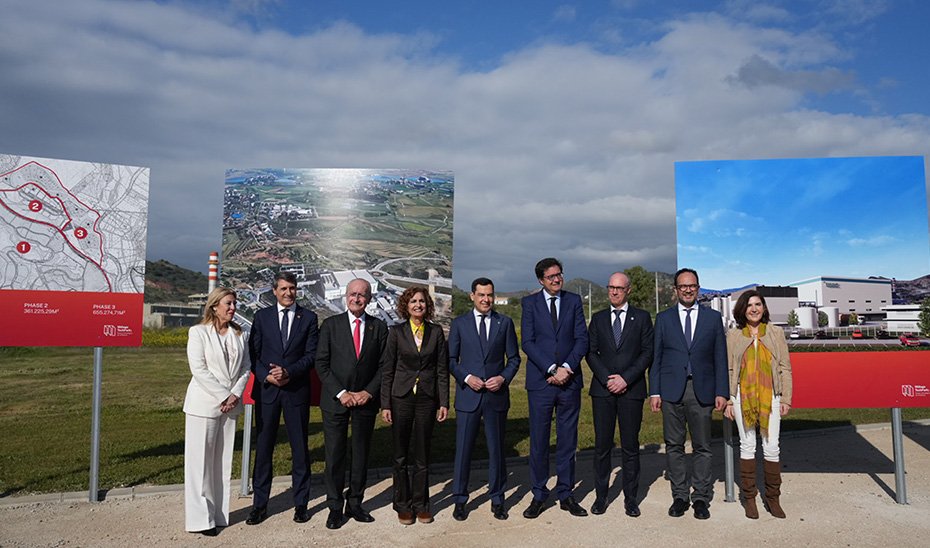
[
  {"x": 535, "y": 508},
  {"x": 631, "y": 509},
  {"x": 359, "y": 514},
  {"x": 499, "y": 511},
  {"x": 211, "y": 532},
  {"x": 301, "y": 514},
  {"x": 459, "y": 512},
  {"x": 335, "y": 519},
  {"x": 257, "y": 515},
  {"x": 678, "y": 508},
  {"x": 599, "y": 507},
  {"x": 700, "y": 510},
  {"x": 572, "y": 507}
]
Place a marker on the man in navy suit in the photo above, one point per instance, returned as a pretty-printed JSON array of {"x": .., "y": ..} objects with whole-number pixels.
[
  {"x": 687, "y": 381},
  {"x": 348, "y": 362},
  {"x": 621, "y": 339},
  {"x": 282, "y": 346},
  {"x": 555, "y": 340},
  {"x": 483, "y": 358}
]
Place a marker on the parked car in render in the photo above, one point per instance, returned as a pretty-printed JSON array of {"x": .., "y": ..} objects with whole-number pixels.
[
  {"x": 909, "y": 339},
  {"x": 857, "y": 334}
]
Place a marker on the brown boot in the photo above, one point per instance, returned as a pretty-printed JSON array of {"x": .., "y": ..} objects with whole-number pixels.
[
  {"x": 772, "y": 472},
  {"x": 747, "y": 487}
]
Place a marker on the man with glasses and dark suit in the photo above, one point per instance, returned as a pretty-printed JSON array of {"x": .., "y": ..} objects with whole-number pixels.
[
  {"x": 348, "y": 362},
  {"x": 620, "y": 340},
  {"x": 555, "y": 340},
  {"x": 687, "y": 381}
]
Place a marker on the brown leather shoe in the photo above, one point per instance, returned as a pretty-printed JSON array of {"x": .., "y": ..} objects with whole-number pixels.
[
  {"x": 405, "y": 518},
  {"x": 425, "y": 517}
]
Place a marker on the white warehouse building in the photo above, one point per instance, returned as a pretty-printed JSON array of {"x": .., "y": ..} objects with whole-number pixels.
[{"x": 864, "y": 296}]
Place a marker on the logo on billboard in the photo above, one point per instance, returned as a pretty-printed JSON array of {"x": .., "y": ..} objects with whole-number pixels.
[
  {"x": 110, "y": 330},
  {"x": 914, "y": 391}
]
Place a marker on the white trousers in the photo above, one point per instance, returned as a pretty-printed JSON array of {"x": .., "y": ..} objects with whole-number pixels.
[
  {"x": 208, "y": 451},
  {"x": 747, "y": 439}
]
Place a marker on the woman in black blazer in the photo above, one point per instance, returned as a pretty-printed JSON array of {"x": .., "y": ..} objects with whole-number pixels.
[{"x": 414, "y": 394}]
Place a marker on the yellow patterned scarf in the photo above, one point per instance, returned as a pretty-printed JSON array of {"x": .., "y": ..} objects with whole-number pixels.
[{"x": 755, "y": 382}]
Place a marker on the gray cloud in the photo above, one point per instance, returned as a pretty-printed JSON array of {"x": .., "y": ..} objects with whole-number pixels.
[
  {"x": 559, "y": 150},
  {"x": 759, "y": 72}
]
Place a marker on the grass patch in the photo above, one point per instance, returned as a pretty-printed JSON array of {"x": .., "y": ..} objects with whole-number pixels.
[{"x": 45, "y": 413}]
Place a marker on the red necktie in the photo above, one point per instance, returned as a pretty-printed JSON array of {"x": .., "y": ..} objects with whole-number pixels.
[{"x": 357, "y": 337}]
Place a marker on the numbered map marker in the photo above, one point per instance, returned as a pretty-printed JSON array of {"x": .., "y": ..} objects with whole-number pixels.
[
  {"x": 80, "y": 232},
  {"x": 35, "y": 206},
  {"x": 23, "y": 247}
]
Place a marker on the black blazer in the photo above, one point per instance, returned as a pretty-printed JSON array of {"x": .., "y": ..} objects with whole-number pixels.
[
  {"x": 402, "y": 364},
  {"x": 297, "y": 358},
  {"x": 630, "y": 361},
  {"x": 338, "y": 367}
]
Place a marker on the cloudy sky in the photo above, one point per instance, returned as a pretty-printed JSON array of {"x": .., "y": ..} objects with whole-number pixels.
[
  {"x": 562, "y": 121},
  {"x": 781, "y": 221}
]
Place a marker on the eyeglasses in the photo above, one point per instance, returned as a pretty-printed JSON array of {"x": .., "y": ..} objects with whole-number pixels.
[
  {"x": 553, "y": 277},
  {"x": 687, "y": 287},
  {"x": 618, "y": 288}
]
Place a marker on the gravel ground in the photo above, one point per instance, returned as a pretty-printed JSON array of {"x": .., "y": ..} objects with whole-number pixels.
[{"x": 838, "y": 491}]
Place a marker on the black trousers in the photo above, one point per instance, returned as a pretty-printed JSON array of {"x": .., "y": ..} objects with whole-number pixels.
[
  {"x": 608, "y": 412},
  {"x": 414, "y": 416},
  {"x": 335, "y": 441}
]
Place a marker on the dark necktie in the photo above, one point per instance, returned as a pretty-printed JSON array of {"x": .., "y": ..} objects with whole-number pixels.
[
  {"x": 688, "y": 334},
  {"x": 553, "y": 313},
  {"x": 284, "y": 326},
  {"x": 618, "y": 327},
  {"x": 483, "y": 333}
]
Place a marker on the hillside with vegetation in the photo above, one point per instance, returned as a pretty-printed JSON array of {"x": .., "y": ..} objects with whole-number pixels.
[{"x": 167, "y": 282}]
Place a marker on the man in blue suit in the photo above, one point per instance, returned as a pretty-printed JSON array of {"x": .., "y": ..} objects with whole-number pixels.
[
  {"x": 483, "y": 358},
  {"x": 282, "y": 346},
  {"x": 555, "y": 340},
  {"x": 687, "y": 381}
]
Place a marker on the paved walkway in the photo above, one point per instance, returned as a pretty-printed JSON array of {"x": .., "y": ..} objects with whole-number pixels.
[{"x": 838, "y": 491}]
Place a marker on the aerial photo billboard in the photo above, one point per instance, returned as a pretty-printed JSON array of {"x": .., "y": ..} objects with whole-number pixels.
[
  {"x": 392, "y": 227},
  {"x": 73, "y": 263}
]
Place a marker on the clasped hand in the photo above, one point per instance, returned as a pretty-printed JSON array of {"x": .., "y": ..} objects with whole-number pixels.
[
  {"x": 277, "y": 376},
  {"x": 493, "y": 384},
  {"x": 560, "y": 376},
  {"x": 354, "y": 399}
]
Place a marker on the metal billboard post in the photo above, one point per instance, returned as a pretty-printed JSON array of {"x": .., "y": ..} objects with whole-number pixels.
[
  {"x": 246, "y": 451},
  {"x": 94, "y": 494},
  {"x": 897, "y": 438},
  {"x": 728, "y": 459}
]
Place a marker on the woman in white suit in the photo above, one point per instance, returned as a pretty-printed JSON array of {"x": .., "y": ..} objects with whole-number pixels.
[{"x": 216, "y": 351}]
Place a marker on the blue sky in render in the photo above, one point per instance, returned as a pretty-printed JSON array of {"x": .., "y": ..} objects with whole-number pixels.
[{"x": 780, "y": 221}]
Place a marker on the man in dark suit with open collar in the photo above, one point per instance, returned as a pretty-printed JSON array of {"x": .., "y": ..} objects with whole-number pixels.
[
  {"x": 687, "y": 381},
  {"x": 483, "y": 358},
  {"x": 282, "y": 347},
  {"x": 620, "y": 342},
  {"x": 347, "y": 361},
  {"x": 555, "y": 339}
]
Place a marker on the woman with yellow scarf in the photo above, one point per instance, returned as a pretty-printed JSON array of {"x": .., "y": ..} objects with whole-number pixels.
[{"x": 760, "y": 388}]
